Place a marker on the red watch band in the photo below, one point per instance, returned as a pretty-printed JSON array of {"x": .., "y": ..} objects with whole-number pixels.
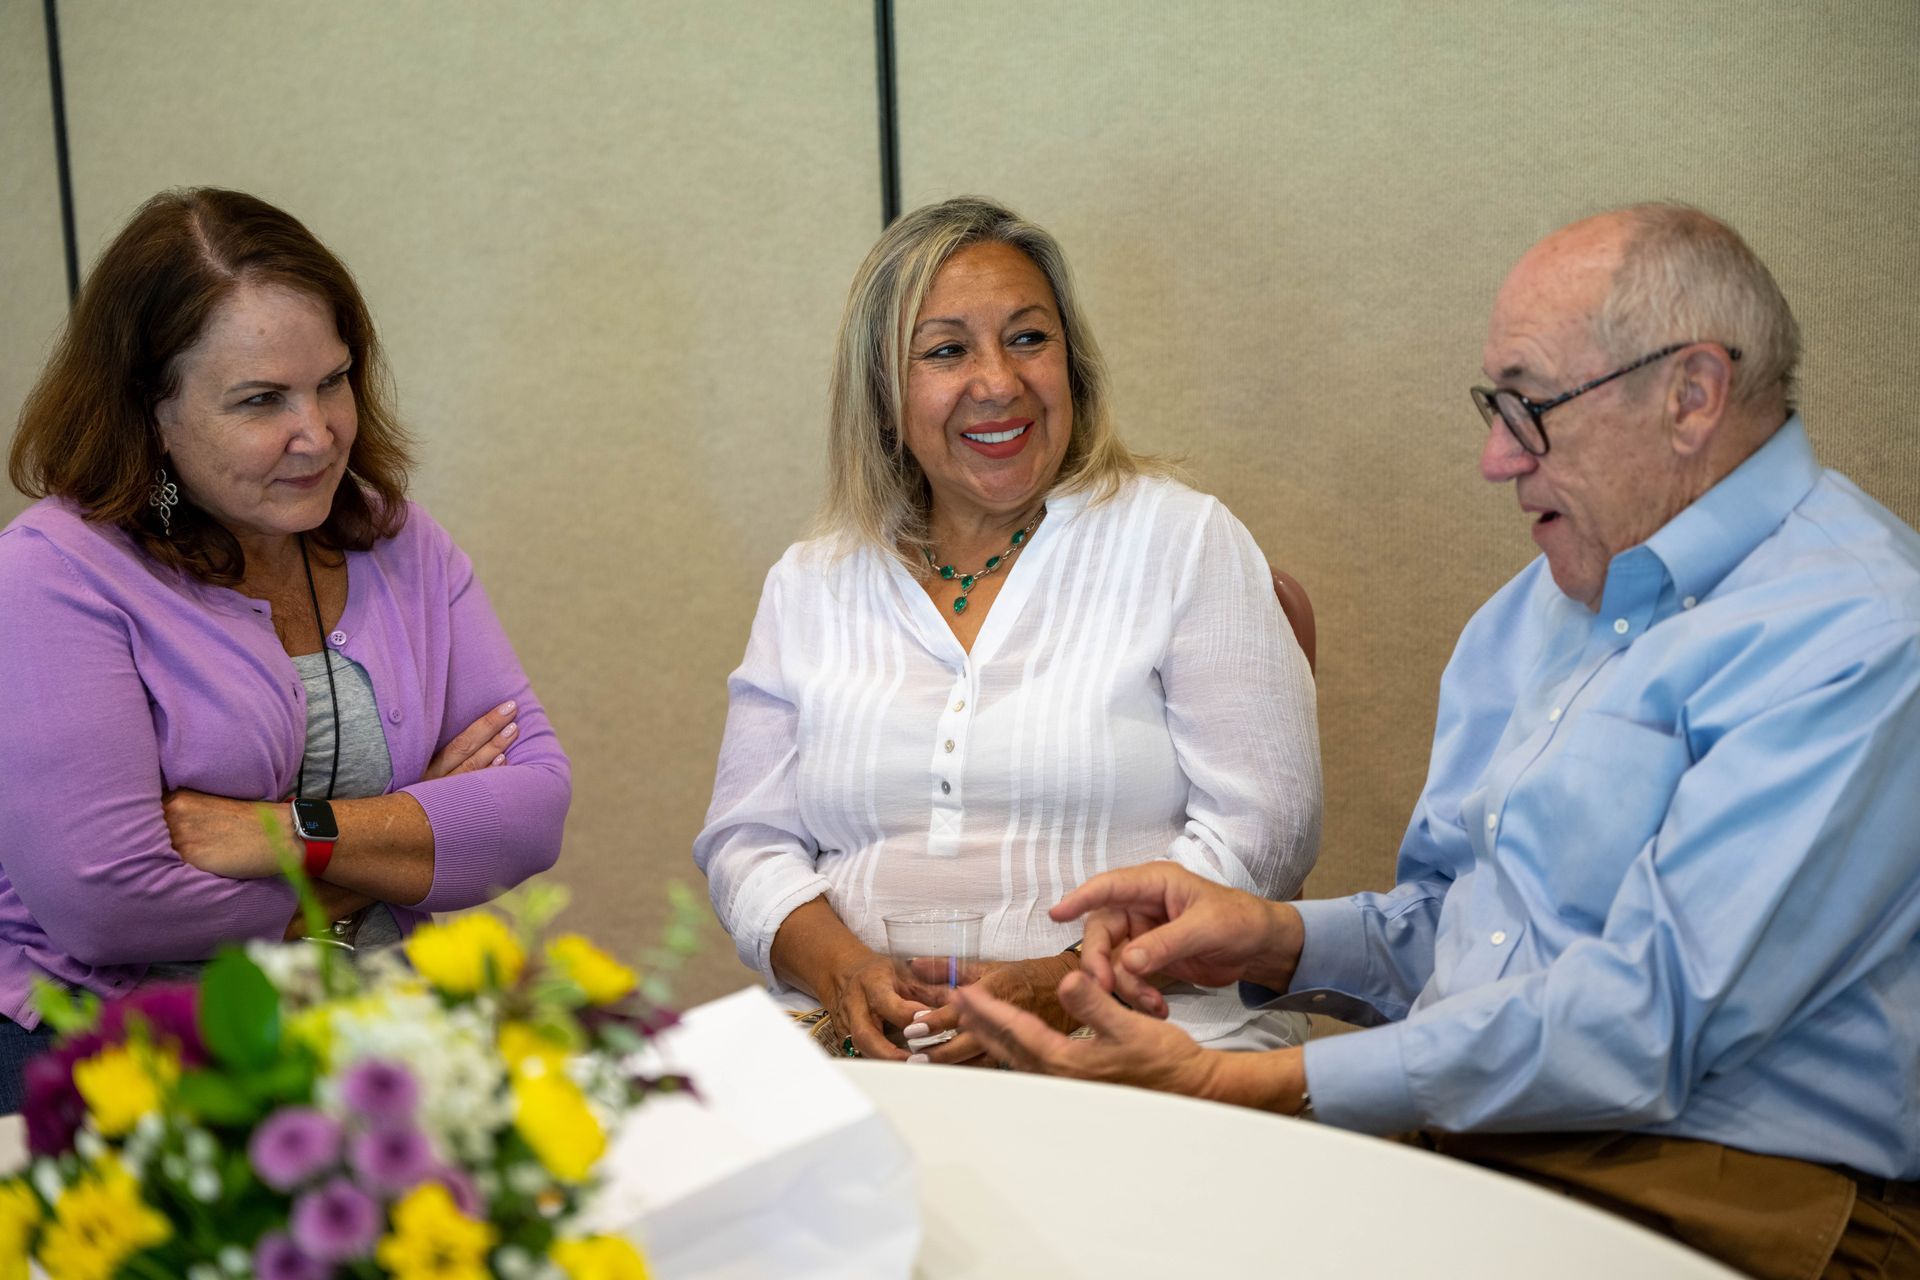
[
  {"x": 318, "y": 832},
  {"x": 319, "y": 854}
]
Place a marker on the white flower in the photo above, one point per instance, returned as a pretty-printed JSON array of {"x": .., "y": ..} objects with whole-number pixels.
[
  {"x": 47, "y": 1181},
  {"x": 451, "y": 1053},
  {"x": 201, "y": 1148},
  {"x": 527, "y": 1179},
  {"x": 203, "y": 1271},
  {"x": 292, "y": 967},
  {"x": 89, "y": 1144},
  {"x": 204, "y": 1184},
  {"x": 235, "y": 1261}
]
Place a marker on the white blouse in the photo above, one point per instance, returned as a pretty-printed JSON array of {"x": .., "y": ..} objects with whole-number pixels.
[{"x": 1135, "y": 693}]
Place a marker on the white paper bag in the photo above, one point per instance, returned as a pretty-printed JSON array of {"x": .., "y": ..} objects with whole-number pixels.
[{"x": 781, "y": 1168}]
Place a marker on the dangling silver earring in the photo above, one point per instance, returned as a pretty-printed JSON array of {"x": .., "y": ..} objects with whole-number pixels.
[{"x": 163, "y": 495}]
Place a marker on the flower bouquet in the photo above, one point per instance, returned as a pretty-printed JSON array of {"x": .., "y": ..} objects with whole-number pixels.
[{"x": 291, "y": 1116}]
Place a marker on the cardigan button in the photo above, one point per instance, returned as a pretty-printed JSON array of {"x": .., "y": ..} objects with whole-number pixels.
[{"x": 393, "y": 714}]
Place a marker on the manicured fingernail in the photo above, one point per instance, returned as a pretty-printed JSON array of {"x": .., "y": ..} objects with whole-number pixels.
[
  {"x": 918, "y": 1057},
  {"x": 496, "y": 761},
  {"x": 922, "y": 1015},
  {"x": 1136, "y": 959},
  {"x": 915, "y": 1030},
  {"x": 510, "y": 730},
  {"x": 505, "y": 707}
]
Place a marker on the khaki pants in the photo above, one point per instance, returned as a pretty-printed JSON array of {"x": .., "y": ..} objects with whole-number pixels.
[{"x": 1769, "y": 1216}]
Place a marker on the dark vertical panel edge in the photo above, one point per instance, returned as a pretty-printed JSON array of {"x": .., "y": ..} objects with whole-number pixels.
[
  {"x": 50, "y": 9},
  {"x": 889, "y": 111}
]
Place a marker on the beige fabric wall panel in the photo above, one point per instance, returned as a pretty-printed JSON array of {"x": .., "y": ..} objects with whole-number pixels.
[
  {"x": 33, "y": 283},
  {"x": 607, "y": 246},
  {"x": 1290, "y": 220}
]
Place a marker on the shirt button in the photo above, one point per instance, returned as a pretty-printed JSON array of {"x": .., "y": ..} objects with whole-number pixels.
[
  {"x": 1497, "y": 937},
  {"x": 1553, "y": 716},
  {"x": 946, "y": 788},
  {"x": 960, "y": 704},
  {"x": 1493, "y": 820},
  {"x": 1620, "y": 626},
  {"x": 393, "y": 714},
  {"x": 949, "y": 744},
  {"x": 337, "y": 639},
  {"x": 1688, "y": 603}
]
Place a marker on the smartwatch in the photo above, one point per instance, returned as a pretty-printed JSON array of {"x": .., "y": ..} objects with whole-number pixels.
[{"x": 313, "y": 821}]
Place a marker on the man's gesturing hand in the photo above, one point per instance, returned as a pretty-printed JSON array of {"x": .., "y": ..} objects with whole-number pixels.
[{"x": 1161, "y": 918}]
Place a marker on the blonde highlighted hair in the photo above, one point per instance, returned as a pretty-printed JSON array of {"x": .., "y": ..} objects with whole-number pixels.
[{"x": 877, "y": 495}]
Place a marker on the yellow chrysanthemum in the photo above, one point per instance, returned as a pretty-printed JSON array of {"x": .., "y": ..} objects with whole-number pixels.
[
  {"x": 467, "y": 954},
  {"x": 552, "y": 1115},
  {"x": 433, "y": 1240},
  {"x": 524, "y": 1048},
  {"x": 603, "y": 978},
  {"x": 599, "y": 1258},
  {"x": 19, "y": 1214},
  {"x": 123, "y": 1083},
  {"x": 98, "y": 1223}
]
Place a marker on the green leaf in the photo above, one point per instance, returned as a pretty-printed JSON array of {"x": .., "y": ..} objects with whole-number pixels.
[
  {"x": 239, "y": 1012},
  {"x": 215, "y": 1098},
  {"x": 288, "y": 1080},
  {"x": 63, "y": 1010}
]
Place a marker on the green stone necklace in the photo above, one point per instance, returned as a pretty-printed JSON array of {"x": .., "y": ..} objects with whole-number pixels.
[{"x": 968, "y": 580}]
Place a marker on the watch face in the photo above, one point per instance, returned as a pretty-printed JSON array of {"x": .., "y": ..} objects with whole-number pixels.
[{"x": 314, "y": 818}]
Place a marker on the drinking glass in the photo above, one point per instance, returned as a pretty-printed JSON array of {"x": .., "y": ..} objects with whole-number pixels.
[{"x": 934, "y": 951}]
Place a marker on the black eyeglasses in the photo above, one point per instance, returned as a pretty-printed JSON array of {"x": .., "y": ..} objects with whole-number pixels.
[{"x": 1522, "y": 415}]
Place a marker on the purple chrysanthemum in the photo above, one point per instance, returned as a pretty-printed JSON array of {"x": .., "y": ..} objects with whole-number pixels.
[
  {"x": 383, "y": 1092},
  {"x": 277, "y": 1257},
  {"x": 391, "y": 1160},
  {"x": 335, "y": 1222},
  {"x": 292, "y": 1145}
]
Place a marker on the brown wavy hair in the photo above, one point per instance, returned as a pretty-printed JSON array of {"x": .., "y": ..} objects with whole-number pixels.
[{"x": 87, "y": 430}]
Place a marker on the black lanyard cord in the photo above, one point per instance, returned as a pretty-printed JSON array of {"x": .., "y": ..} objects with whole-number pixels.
[{"x": 333, "y": 695}]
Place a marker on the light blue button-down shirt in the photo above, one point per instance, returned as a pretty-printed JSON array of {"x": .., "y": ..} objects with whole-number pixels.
[{"x": 1665, "y": 872}]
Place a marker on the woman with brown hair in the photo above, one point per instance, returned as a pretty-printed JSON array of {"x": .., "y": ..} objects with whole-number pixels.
[{"x": 222, "y": 598}]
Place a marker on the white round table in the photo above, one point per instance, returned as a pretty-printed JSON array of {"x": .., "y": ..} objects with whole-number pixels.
[{"x": 1026, "y": 1176}]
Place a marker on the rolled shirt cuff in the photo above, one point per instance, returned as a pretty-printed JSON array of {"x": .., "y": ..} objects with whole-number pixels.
[
  {"x": 1334, "y": 933},
  {"x": 1360, "y": 1081}
]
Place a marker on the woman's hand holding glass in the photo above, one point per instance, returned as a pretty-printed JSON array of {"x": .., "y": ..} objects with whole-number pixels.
[{"x": 1029, "y": 985}]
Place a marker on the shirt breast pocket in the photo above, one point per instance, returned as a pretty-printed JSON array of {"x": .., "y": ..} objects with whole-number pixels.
[{"x": 1598, "y": 800}]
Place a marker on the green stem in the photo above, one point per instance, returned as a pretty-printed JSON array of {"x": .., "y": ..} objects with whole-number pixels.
[
  {"x": 310, "y": 911},
  {"x": 140, "y": 1265}
]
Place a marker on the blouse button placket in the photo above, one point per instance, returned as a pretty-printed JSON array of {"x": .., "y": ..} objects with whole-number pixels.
[{"x": 950, "y": 735}]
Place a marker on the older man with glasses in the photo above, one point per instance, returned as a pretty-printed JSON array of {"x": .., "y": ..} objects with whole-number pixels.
[{"x": 1655, "y": 937}]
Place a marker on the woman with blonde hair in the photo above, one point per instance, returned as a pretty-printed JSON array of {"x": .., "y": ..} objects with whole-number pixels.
[{"x": 1013, "y": 655}]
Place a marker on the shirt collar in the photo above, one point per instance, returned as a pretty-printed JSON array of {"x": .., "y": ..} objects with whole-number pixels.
[{"x": 1720, "y": 528}]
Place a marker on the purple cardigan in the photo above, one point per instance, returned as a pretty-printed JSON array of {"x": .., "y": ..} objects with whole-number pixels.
[{"x": 120, "y": 680}]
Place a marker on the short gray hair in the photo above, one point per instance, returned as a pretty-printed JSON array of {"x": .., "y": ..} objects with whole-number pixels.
[
  {"x": 877, "y": 494},
  {"x": 1686, "y": 276}
]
